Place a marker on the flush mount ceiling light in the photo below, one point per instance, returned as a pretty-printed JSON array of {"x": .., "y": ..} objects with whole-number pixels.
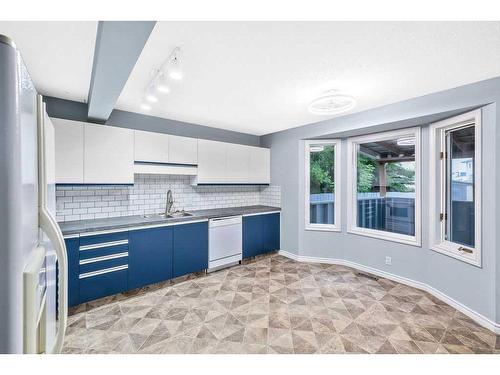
[
  {"x": 407, "y": 141},
  {"x": 331, "y": 103}
]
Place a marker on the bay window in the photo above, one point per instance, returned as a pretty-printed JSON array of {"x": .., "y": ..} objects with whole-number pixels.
[{"x": 384, "y": 186}]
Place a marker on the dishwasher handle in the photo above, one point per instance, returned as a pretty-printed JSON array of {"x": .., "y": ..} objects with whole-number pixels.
[{"x": 223, "y": 221}]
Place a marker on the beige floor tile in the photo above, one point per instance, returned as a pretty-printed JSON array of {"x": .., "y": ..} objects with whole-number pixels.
[
  {"x": 255, "y": 335},
  {"x": 275, "y": 305}
]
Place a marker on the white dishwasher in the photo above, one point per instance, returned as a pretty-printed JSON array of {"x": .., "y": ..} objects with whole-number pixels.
[{"x": 225, "y": 242}]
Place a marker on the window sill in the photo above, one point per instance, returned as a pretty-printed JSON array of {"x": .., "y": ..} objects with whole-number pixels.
[
  {"x": 453, "y": 253},
  {"x": 323, "y": 228},
  {"x": 387, "y": 236}
]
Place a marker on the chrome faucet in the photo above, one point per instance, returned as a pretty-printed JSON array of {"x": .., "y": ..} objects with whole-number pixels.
[{"x": 170, "y": 203}]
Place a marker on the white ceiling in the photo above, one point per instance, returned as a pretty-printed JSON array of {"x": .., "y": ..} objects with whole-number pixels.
[
  {"x": 259, "y": 77},
  {"x": 58, "y": 55}
]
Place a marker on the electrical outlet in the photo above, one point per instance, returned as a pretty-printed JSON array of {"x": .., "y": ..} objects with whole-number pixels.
[{"x": 388, "y": 261}]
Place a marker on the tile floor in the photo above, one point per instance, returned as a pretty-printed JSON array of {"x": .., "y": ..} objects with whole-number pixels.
[{"x": 276, "y": 305}]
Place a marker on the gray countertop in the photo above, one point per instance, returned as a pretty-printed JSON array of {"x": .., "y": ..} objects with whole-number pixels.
[{"x": 82, "y": 226}]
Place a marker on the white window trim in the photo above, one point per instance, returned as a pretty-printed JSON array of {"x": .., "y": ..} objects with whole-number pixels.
[
  {"x": 437, "y": 241},
  {"x": 352, "y": 187},
  {"x": 337, "y": 226}
]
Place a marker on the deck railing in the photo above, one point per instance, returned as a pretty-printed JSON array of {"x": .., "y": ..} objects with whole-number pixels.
[
  {"x": 322, "y": 208},
  {"x": 396, "y": 213}
]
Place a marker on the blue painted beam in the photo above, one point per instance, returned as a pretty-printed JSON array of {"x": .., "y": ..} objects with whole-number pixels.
[{"x": 118, "y": 46}]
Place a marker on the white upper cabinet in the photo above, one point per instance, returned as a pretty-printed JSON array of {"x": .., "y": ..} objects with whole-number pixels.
[
  {"x": 93, "y": 154},
  {"x": 100, "y": 154},
  {"x": 260, "y": 165},
  {"x": 228, "y": 163},
  {"x": 238, "y": 163},
  {"x": 182, "y": 150},
  {"x": 68, "y": 151},
  {"x": 109, "y": 155},
  {"x": 211, "y": 162},
  {"x": 151, "y": 147},
  {"x": 163, "y": 148}
]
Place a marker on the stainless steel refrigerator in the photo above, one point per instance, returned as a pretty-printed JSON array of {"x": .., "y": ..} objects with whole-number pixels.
[{"x": 33, "y": 265}]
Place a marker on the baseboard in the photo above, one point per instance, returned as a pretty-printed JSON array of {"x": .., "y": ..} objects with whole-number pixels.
[{"x": 478, "y": 318}]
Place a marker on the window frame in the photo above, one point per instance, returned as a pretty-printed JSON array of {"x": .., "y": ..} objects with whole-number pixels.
[
  {"x": 337, "y": 214},
  {"x": 438, "y": 188},
  {"x": 352, "y": 191}
]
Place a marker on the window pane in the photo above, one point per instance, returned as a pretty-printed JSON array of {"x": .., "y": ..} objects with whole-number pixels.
[
  {"x": 460, "y": 186},
  {"x": 322, "y": 184},
  {"x": 386, "y": 185}
]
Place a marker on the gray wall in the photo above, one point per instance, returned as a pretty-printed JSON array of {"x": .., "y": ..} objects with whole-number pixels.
[
  {"x": 71, "y": 110},
  {"x": 477, "y": 288}
]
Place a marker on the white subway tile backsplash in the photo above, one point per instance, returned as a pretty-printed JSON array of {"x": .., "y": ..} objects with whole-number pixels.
[
  {"x": 270, "y": 196},
  {"x": 148, "y": 195}
]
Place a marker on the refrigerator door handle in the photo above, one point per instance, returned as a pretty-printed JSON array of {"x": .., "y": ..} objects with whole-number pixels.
[
  {"x": 51, "y": 228},
  {"x": 49, "y": 224}
]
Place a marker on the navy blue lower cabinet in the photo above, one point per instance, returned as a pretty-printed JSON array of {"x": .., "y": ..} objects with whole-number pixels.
[
  {"x": 252, "y": 236},
  {"x": 72, "y": 247},
  {"x": 150, "y": 256},
  {"x": 102, "y": 283},
  {"x": 190, "y": 248},
  {"x": 261, "y": 233},
  {"x": 271, "y": 232}
]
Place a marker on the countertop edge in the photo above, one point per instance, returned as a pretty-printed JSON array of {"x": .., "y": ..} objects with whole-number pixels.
[{"x": 199, "y": 216}]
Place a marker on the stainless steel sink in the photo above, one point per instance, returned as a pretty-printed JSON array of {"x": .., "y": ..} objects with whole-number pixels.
[
  {"x": 168, "y": 213},
  {"x": 180, "y": 214},
  {"x": 154, "y": 216},
  {"x": 169, "y": 216}
]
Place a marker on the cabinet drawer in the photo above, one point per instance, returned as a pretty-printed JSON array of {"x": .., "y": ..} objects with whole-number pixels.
[
  {"x": 102, "y": 240},
  {"x": 103, "y": 263},
  {"x": 103, "y": 283},
  {"x": 98, "y": 252}
]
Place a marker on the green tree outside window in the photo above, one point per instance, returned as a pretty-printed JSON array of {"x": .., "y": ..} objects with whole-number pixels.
[{"x": 322, "y": 170}]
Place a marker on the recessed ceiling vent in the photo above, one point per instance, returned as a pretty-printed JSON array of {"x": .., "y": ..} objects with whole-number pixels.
[{"x": 331, "y": 103}]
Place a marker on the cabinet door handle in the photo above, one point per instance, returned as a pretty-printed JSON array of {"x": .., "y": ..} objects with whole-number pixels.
[
  {"x": 103, "y": 244},
  {"x": 103, "y": 258},
  {"x": 101, "y": 272}
]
